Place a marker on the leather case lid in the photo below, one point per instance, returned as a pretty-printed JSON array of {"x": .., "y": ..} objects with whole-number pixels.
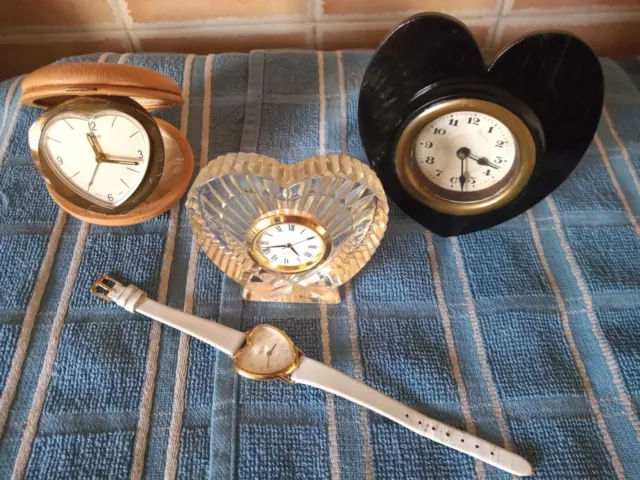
[{"x": 51, "y": 85}]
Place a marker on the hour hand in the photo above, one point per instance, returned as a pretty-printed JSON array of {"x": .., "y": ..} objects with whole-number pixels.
[
  {"x": 486, "y": 162},
  {"x": 95, "y": 146},
  {"x": 121, "y": 160}
]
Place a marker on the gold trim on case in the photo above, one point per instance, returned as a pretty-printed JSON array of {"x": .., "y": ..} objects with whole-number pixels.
[
  {"x": 277, "y": 218},
  {"x": 282, "y": 373},
  {"x": 414, "y": 181}
]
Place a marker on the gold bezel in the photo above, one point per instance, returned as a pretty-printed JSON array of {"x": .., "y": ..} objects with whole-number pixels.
[
  {"x": 276, "y": 218},
  {"x": 278, "y": 374},
  {"x": 412, "y": 179},
  {"x": 87, "y": 106}
]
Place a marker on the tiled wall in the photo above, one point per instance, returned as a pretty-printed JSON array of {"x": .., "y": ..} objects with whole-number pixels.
[{"x": 36, "y": 32}]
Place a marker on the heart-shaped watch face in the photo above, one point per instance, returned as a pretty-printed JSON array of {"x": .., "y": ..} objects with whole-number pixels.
[
  {"x": 269, "y": 353},
  {"x": 551, "y": 81}
]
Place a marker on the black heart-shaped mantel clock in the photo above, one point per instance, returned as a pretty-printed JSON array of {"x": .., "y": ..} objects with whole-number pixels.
[{"x": 461, "y": 146}]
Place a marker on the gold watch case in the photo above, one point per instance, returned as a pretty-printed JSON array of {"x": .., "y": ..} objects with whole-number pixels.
[
  {"x": 280, "y": 374},
  {"x": 494, "y": 197},
  {"x": 87, "y": 107}
]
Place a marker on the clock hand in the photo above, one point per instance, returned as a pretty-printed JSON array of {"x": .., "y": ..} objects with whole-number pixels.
[
  {"x": 95, "y": 146},
  {"x": 269, "y": 354},
  {"x": 462, "y": 177},
  {"x": 93, "y": 176},
  {"x": 120, "y": 161},
  {"x": 305, "y": 240},
  {"x": 483, "y": 161},
  {"x": 294, "y": 250}
]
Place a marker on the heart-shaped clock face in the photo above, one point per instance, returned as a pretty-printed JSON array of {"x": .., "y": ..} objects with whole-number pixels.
[
  {"x": 103, "y": 157},
  {"x": 552, "y": 82},
  {"x": 269, "y": 353}
]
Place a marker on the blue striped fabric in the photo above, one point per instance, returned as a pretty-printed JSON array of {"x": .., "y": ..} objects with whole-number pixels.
[{"x": 526, "y": 334}]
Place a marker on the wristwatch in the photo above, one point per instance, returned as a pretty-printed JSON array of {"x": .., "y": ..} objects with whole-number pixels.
[{"x": 267, "y": 353}]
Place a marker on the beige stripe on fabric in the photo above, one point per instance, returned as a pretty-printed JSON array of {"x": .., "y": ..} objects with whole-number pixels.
[
  {"x": 7, "y": 103},
  {"x": 623, "y": 149},
  {"x": 4, "y": 147},
  {"x": 182, "y": 363},
  {"x": 22, "y": 346},
  {"x": 146, "y": 403},
  {"x": 482, "y": 353},
  {"x": 575, "y": 354},
  {"x": 343, "y": 103},
  {"x": 451, "y": 347},
  {"x": 625, "y": 399},
  {"x": 33, "y": 420},
  {"x": 616, "y": 184},
  {"x": 334, "y": 457}
]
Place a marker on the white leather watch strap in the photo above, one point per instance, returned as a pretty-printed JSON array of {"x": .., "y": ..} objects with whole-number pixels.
[
  {"x": 219, "y": 336},
  {"x": 319, "y": 375}
]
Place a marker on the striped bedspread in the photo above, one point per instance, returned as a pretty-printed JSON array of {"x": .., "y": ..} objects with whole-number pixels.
[{"x": 527, "y": 334}]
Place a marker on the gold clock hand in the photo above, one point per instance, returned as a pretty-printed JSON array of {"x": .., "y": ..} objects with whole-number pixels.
[
  {"x": 120, "y": 161},
  {"x": 95, "y": 146},
  {"x": 93, "y": 176}
]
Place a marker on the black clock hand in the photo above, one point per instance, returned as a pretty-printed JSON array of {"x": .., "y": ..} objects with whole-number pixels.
[
  {"x": 294, "y": 251},
  {"x": 483, "y": 161},
  {"x": 305, "y": 240}
]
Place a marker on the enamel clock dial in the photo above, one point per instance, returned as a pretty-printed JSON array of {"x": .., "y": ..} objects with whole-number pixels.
[
  {"x": 465, "y": 156},
  {"x": 289, "y": 243},
  {"x": 104, "y": 155}
]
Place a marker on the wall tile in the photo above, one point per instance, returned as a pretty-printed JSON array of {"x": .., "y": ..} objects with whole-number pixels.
[
  {"x": 203, "y": 44},
  {"x": 342, "y": 38},
  {"x": 20, "y": 13},
  {"x": 178, "y": 10},
  {"x": 607, "y": 38},
  {"x": 521, "y": 4},
  {"x": 369, "y": 7},
  {"x": 19, "y": 58}
]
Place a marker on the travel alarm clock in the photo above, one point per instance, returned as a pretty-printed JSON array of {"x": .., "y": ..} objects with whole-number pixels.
[
  {"x": 104, "y": 158},
  {"x": 460, "y": 146}
]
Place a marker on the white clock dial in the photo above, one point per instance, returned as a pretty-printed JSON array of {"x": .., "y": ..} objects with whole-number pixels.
[
  {"x": 103, "y": 158},
  {"x": 465, "y": 151},
  {"x": 290, "y": 245},
  {"x": 269, "y": 351}
]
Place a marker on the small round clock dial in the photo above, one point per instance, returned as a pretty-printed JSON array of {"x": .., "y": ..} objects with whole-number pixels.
[
  {"x": 465, "y": 156},
  {"x": 103, "y": 158},
  {"x": 465, "y": 151},
  {"x": 288, "y": 243},
  {"x": 269, "y": 352}
]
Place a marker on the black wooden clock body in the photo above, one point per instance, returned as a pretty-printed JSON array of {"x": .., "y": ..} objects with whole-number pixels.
[{"x": 552, "y": 81}]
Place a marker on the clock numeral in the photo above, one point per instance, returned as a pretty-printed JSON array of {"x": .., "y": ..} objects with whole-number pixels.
[
  {"x": 307, "y": 254},
  {"x": 439, "y": 173},
  {"x": 439, "y": 131},
  {"x": 488, "y": 172},
  {"x": 267, "y": 249},
  {"x": 292, "y": 228},
  {"x": 92, "y": 126},
  {"x": 110, "y": 197},
  {"x": 312, "y": 247},
  {"x": 453, "y": 179},
  {"x": 453, "y": 123},
  {"x": 140, "y": 154},
  {"x": 279, "y": 228},
  {"x": 430, "y": 160},
  {"x": 473, "y": 121},
  {"x": 59, "y": 160},
  {"x": 499, "y": 143},
  {"x": 274, "y": 258},
  {"x": 264, "y": 243},
  {"x": 490, "y": 129},
  {"x": 500, "y": 160},
  {"x": 286, "y": 261},
  {"x": 428, "y": 144},
  {"x": 472, "y": 180}
]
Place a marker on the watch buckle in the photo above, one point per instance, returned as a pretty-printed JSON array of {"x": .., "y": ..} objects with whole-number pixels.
[{"x": 103, "y": 286}]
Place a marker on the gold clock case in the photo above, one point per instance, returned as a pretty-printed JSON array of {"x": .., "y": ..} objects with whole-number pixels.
[
  {"x": 497, "y": 196},
  {"x": 281, "y": 374},
  {"x": 87, "y": 107},
  {"x": 275, "y": 219},
  {"x": 340, "y": 195}
]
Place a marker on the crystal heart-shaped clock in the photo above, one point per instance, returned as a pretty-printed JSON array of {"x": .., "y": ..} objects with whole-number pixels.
[
  {"x": 288, "y": 233},
  {"x": 268, "y": 354}
]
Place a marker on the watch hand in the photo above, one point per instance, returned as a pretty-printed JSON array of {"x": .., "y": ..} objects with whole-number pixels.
[
  {"x": 483, "y": 161},
  {"x": 305, "y": 240},
  {"x": 294, "y": 250},
  {"x": 462, "y": 179}
]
